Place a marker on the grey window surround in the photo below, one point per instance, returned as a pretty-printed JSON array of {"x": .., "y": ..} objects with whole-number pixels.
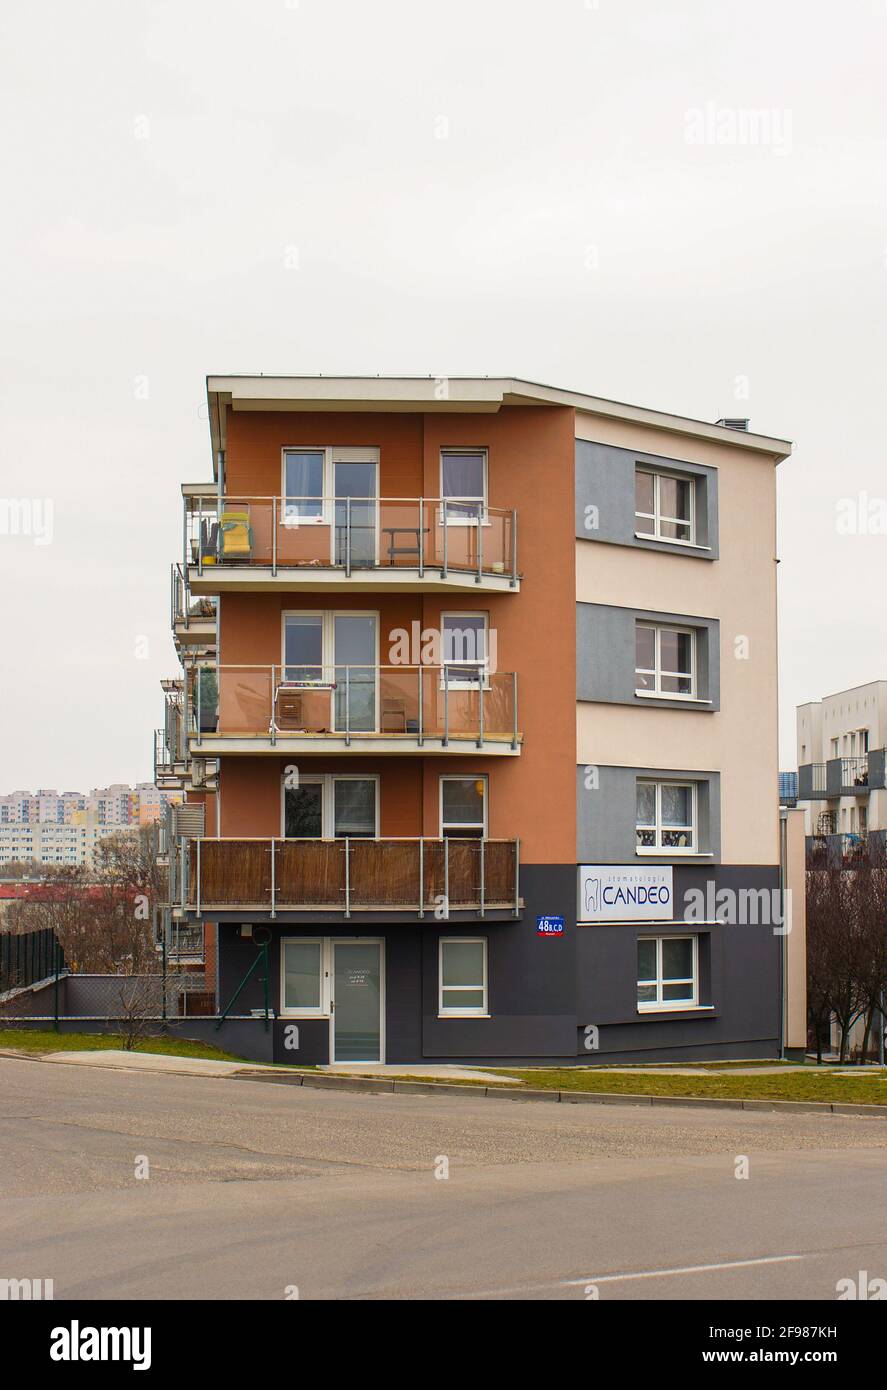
[
  {"x": 605, "y": 629},
  {"x": 606, "y": 816},
  {"x": 605, "y": 478}
]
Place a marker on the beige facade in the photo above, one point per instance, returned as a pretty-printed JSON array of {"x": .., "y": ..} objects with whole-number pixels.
[{"x": 738, "y": 589}]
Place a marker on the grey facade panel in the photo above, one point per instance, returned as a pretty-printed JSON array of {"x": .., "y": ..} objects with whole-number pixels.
[
  {"x": 605, "y": 498},
  {"x": 543, "y": 991},
  {"x": 739, "y": 976},
  {"x": 606, "y": 809},
  {"x": 605, "y": 656}
]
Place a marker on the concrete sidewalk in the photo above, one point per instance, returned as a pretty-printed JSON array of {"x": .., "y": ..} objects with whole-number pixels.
[
  {"x": 200, "y": 1066},
  {"x": 424, "y": 1071}
]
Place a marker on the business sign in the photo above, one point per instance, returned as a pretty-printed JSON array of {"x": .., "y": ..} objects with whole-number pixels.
[
  {"x": 625, "y": 893},
  {"x": 549, "y": 926}
]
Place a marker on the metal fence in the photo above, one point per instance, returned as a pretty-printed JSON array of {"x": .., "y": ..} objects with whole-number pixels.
[
  {"x": 37, "y": 984},
  {"x": 27, "y": 958}
]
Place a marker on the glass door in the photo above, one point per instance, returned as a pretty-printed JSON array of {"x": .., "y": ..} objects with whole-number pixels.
[
  {"x": 354, "y": 646},
  {"x": 354, "y": 485},
  {"x": 357, "y": 1002}
]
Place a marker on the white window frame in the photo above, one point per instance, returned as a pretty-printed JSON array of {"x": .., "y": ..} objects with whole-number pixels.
[
  {"x": 463, "y": 777},
  {"x": 327, "y": 780},
  {"x": 660, "y": 1005},
  {"x": 328, "y": 638},
  {"x": 657, "y": 672},
  {"x": 462, "y": 520},
  {"x": 659, "y": 849},
  {"x": 457, "y": 684},
  {"x": 332, "y": 454},
  {"x": 323, "y": 1009},
  {"x": 657, "y": 517},
  {"x": 462, "y": 1012},
  {"x": 288, "y": 518}
]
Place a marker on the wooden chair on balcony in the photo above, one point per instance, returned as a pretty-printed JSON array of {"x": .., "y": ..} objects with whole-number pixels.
[{"x": 393, "y": 716}]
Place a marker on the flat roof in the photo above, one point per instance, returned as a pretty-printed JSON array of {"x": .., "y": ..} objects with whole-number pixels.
[{"x": 426, "y": 394}]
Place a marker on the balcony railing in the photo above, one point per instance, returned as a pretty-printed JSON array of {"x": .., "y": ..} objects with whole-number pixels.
[
  {"x": 352, "y": 534},
  {"x": 353, "y": 704},
  {"x": 847, "y": 850},
  {"x": 855, "y": 773},
  {"x": 191, "y": 618},
  {"x": 811, "y": 781},
  {"x": 421, "y": 876}
]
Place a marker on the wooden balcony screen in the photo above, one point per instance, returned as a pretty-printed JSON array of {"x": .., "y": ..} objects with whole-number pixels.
[{"x": 381, "y": 874}]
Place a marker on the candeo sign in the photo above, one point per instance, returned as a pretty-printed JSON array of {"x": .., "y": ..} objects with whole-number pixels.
[{"x": 625, "y": 893}]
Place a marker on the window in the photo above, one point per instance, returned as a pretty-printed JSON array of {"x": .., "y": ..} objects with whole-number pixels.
[
  {"x": 666, "y": 817},
  {"x": 464, "y": 650},
  {"x": 463, "y": 807},
  {"x": 331, "y": 807},
  {"x": 667, "y": 972},
  {"x": 303, "y": 647},
  {"x": 463, "y": 482},
  {"x": 302, "y": 977},
  {"x": 303, "y": 475},
  {"x": 665, "y": 507},
  {"x": 664, "y": 661},
  {"x": 463, "y": 975}
]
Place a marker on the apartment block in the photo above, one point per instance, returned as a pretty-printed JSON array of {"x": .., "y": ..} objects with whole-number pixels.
[
  {"x": 476, "y": 725},
  {"x": 842, "y": 775}
]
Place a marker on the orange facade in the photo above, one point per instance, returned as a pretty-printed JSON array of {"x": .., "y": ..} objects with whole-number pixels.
[{"x": 531, "y": 469}]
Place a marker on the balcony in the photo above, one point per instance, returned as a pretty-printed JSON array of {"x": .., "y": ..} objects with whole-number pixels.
[
  {"x": 357, "y": 544},
  {"x": 170, "y": 767},
  {"x": 351, "y": 709},
  {"x": 845, "y": 851},
  {"x": 811, "y": 782},
  {"x": 193, "y": 620},
  {"x": 847, "y": 776},
  {"x": 423, "y": 877}
]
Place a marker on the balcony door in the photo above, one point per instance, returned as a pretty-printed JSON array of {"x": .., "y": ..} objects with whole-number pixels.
[
  {"x": 355, "y": 490},
  {"x": 355, "y": 648},
  {"x": 357, "y": 1000}
]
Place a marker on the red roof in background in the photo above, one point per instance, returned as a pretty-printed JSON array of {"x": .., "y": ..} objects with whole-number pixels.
[{"x": 45, "y": 892}]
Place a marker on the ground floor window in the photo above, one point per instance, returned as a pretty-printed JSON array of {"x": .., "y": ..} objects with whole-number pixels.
[
  {"x": 303, "y": 977},
  {"x": 463, "y": 975},
  {"x": 668, "y": 972}
]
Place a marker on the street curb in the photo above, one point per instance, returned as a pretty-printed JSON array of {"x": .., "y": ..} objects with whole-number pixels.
[{"x": 383, "y": 1086}]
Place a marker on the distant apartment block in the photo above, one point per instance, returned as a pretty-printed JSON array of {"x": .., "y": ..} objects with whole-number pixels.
[
  {"x": 841, "y": 746},
  {"x": 63, "y": 828}
]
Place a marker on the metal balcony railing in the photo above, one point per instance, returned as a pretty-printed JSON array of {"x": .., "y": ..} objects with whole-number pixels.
[
  {"x": 423, "y": 876},
  {"x": 413, "y": 534},
  {"x": 418, "y": 704},
  {"x": 855, "y": 773},
  {"x": 185, "y": 610}
]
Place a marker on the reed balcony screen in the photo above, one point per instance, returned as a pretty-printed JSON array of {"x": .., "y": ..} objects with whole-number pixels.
[{"x": 345, "y": 875}]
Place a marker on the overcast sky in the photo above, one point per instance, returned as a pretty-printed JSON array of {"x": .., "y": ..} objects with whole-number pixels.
[{"x": 563, "y": 190}]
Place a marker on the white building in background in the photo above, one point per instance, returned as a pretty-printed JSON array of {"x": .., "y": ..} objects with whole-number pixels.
[{"x": 841, "y": 743}]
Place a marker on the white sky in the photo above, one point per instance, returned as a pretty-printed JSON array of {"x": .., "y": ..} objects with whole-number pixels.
[{"x": 160, "y": 157}]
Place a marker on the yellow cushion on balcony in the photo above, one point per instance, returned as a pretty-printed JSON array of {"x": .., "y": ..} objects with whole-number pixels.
[{"x": 235, "y": 536}]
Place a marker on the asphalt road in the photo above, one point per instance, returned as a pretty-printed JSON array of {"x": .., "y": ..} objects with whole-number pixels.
[{"x": 255, "y": 1189}]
